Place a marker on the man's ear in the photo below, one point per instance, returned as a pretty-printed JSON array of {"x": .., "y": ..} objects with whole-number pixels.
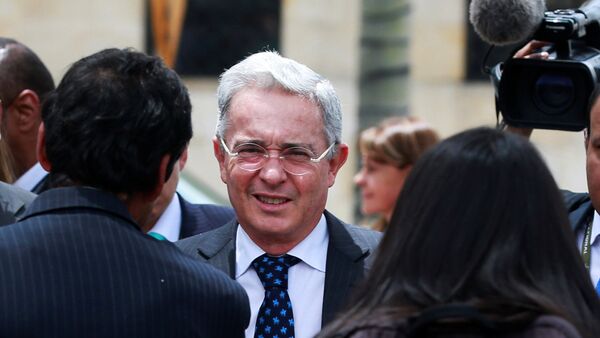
[
  {"x": 153, "y": 194},
  {"x": 41, "y": 148},
  {"x": 26, "y": 109},
  {"x": 220, "y": 156},
  {"x": 183, "y": 158},
  {"x": 336, "y": 163}
]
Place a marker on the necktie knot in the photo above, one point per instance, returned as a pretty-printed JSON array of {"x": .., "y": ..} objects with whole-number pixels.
[{"x": 273, "y": 271}]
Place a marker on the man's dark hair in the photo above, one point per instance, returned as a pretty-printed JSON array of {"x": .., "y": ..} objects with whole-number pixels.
[
  {"x": 113, "y": 117},
  {"x": 20, "y": 69}
]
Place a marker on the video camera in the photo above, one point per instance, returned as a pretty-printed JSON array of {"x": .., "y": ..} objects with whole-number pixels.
[{"x": 553, "y": 93}]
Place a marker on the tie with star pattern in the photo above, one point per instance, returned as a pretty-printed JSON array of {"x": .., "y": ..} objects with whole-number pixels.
[{"x": 275, "y": 318}]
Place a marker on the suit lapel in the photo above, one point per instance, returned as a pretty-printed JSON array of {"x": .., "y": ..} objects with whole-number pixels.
[
  {"x": 345, "y": 266},
  {"x": 217, "y": 247},
  {"x": 345, "y": 260},
  {"x": 581, "y": 216}
]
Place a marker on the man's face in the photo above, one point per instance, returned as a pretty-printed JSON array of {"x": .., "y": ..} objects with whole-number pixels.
[
  {"x": 275, "y": 208},
  {"x": 593, "y": 156},
  {"x": 167, "y": 194}
]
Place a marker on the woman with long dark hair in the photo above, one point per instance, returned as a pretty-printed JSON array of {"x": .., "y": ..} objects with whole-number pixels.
[{"x": 480, "y": 227}]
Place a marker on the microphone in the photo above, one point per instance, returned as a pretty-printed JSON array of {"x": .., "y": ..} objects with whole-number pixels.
[{"x": 503, "y": 22}]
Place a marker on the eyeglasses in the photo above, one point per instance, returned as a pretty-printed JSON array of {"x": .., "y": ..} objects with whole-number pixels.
[{"x": 294, "y": 160}]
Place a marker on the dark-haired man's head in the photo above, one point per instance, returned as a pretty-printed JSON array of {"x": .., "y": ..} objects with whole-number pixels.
[
  {"x": 118, "y": 121},
  {"x": 24, "y": 83}
]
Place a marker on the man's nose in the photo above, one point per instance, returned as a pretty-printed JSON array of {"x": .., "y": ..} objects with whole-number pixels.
[{"x": 272, "y": 171}]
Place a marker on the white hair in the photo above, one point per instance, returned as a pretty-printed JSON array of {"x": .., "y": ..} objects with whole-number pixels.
[{"x": 269, "y": 70}]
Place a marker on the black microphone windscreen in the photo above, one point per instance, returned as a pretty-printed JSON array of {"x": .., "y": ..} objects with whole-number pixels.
[{"x": 502, "y": 22}]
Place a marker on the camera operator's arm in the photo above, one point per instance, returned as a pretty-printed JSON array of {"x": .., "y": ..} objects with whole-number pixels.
[{"x": 529, "y": 51}]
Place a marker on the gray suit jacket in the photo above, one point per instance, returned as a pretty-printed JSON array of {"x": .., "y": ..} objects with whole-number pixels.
[
  {"x": 13, "y": 201},
  {"x": 349, "y": 256}
]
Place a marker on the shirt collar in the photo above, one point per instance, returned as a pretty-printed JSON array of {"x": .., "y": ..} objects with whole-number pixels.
[
  {"x": 595, "y": 227},
  {"x": 312, "y": 250},
  {"x": 169, "y": 223},
  {"x": 31, "y": 177}
]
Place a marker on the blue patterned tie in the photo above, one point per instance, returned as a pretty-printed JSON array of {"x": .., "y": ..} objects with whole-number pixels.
[{"x": 275, "y": 318}]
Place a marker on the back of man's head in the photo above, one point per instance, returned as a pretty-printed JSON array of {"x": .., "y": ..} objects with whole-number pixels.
[
  {"x": 113, "y": 118},
  {"x": 20, "y": 69}
]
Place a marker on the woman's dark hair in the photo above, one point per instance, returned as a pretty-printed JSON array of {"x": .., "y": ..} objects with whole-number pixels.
[
  {"x": 113, "y": 117},
  {"x": 480, "y": 221}
]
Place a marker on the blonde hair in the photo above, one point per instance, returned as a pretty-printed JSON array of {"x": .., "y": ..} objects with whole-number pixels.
[
  {"x": 399, "y": 141},
  {"x": 7, "y": 172}
]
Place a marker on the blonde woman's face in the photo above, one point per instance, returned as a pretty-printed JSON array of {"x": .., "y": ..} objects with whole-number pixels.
[{"x": 380, "y": 185}]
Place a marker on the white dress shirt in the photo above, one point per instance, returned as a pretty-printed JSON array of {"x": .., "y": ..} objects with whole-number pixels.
[
  {"x": 595, "y": 250},
  {"x": 169, "y": 223},
  {"x": 306, "y": 280},
  {"x": 31, "y": 177}
]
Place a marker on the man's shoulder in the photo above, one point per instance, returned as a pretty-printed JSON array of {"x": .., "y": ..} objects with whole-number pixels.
[
  {"x": 574, "y": 200},
  {"x": 13, "y": 201},
  {"x": 13, "y": 198},
  {"x": 579, "y": 206},
  {"x": 208, "y": 243},
  {"x": 207, "y": 210},
  {"x": 199, "y": 218},
  {"x": 368, "y": 236},
  {"x": 16, "y": 193},
  {"x": 340, "y": 231}
]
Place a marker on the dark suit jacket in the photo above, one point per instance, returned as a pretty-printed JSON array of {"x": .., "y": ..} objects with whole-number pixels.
[
  {"x": 580, "y": 208},
  {"x": 199, "y": 218},
  {"x": 77, "y": 265},
  {"x": 13, "y": 201},
  {"x": 349, "y": 256}
]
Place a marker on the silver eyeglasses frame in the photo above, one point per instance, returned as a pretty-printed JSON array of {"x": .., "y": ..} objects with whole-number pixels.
[{"x": 266, "y": 155}]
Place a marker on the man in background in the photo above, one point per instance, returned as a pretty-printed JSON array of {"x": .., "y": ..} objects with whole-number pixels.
[
  {"x": 78, "y": 264},
  {"x": 24, "y": 84},
  {"x": 582, "y": 207},
  {"x": 13, "y": 200}
]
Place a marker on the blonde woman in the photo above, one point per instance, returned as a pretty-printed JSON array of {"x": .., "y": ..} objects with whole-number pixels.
[{"x": 388, "y": 152}]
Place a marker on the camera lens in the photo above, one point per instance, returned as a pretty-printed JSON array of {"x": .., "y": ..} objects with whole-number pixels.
[{"x": 554, "y": 93}]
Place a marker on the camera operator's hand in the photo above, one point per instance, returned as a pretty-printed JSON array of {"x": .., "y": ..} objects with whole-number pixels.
[{"x": 530, "y": 50}]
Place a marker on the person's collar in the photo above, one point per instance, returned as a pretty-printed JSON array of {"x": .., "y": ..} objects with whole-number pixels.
[
  {"x": 169, "y": 223},
  {"x": 312, "y": 250},
  {"x": 31, "y": 177},
  {"x": 595, "y": 228}
]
